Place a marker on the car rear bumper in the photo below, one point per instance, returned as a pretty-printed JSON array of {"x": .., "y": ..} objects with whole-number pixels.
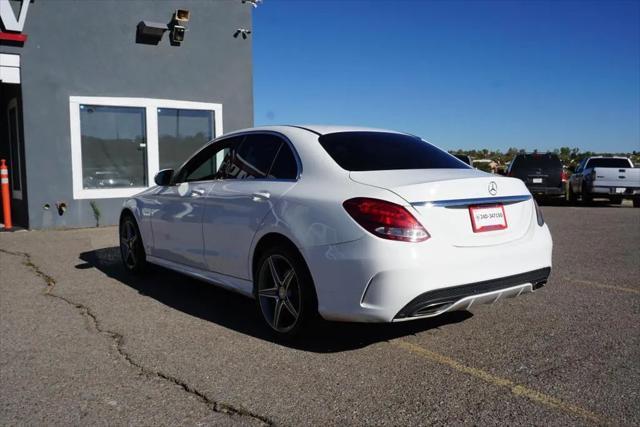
[
  {"x": 375, "y": 280},
  {"x": 615, "y": 191},
  {"x": 546, "y": 191},
  {"x": 440, "y": 301}
]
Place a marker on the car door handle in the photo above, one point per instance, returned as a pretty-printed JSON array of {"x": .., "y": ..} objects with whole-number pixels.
[
  {"x": 197, "y": 192},
  {"x": 261, "y": 195}
]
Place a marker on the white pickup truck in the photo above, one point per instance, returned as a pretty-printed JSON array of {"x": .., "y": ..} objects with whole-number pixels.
[{"x": 612, "y": 178}]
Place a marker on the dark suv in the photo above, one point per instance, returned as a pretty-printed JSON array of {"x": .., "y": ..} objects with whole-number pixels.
[{"x": 541, "y": 172}]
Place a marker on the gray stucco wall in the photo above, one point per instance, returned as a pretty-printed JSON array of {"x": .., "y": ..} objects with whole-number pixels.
[{"x": 88, "y": 48}]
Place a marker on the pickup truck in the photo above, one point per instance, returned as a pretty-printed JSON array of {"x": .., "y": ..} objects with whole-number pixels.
[{"x": 612, "y": 178}]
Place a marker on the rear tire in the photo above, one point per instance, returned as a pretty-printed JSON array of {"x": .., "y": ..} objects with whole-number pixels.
[
  {"x": 636, "y": 202},
  {"x": 284, "y": 291},
  {"x": 132, "y": 252}
]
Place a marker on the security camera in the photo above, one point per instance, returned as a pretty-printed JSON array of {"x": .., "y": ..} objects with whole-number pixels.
[
  {"x": 178, "y": 25},
  {"x": 181, "y": 16},
  {"x": 253, "y": 3},
  {"x": 243, "y": 32},
  {"x": 177, "y": 33}
]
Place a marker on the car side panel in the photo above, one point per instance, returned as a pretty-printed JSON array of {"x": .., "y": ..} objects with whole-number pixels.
[
  {"x": 141, "y": 206},
  {"x": 312, "y": 215},
  {"x": 234, "y": 211}
]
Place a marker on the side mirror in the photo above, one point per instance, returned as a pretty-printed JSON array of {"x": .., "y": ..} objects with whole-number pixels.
[{"x": 163, "y": 178}]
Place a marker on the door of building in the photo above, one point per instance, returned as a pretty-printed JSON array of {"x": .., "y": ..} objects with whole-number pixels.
[{"x": 12, "y": 150}]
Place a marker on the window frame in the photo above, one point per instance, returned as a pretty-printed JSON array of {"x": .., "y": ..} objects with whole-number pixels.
[
  {"x": 214, "y": 145},
  {"x": 285, "y": 140},
  {"x": 151, "y": 106},
  {"x": 242, "y": 135}
]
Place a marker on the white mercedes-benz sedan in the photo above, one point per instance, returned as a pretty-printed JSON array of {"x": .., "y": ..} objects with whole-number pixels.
[{"x": 353, "y": 224}]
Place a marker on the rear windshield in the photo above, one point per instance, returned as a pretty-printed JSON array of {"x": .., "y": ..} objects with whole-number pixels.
[
  {"x": 371, "y": 151},
  {"x": 537, "y": 161},
  {"x": 463, "y": 158},
  {"x": 608, "y": 163}
]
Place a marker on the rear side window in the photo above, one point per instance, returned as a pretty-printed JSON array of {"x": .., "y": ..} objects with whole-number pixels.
[
  {"x": 255, "y": 156},
  {"x": 285, "y": 166},
  {"x": 608, "y": 163},
  {"x": 537, "y": 161},
  {"x": 369, "y": 151}
]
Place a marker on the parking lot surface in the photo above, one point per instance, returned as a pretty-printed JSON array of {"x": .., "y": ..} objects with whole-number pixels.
[{"x": 83, "y": 342}]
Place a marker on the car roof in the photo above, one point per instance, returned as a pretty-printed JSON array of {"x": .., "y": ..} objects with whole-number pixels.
[
  {"x": 326, "y": 129},
  {"x": 608, "y": 157},
  {"x": 317, "y": 129},
  {"x": 546, "y": 153}
]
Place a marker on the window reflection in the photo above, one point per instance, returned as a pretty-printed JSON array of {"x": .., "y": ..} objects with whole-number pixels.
[
  {"x": 181, "y": 133},
  {"x": 114, "y": 149}
]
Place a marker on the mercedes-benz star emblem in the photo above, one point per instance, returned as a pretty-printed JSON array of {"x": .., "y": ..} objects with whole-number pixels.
[{"x": 493, "y": 188}]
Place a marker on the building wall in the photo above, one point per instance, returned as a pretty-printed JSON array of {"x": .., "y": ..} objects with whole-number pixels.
[{"x": 88, "y": 48}]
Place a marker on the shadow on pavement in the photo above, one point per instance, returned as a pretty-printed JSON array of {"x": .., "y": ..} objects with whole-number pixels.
[{"x": 236, "y": 312}]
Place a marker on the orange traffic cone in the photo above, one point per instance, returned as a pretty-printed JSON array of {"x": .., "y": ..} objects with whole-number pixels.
[{"x": 6, "y": 199}]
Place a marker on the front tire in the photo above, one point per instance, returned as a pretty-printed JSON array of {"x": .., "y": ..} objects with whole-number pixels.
[
  {"x": 636, "y": 202},
  {"x": 284, "y": 291},
  {"x": 131, "y": 249}
]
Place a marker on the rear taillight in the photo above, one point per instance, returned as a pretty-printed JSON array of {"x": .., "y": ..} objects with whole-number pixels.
[
  {"x": 385, "y": 219},
  {"x": 565, "y": 176}
]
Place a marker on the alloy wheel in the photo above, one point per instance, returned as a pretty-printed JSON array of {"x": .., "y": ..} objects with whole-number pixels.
[
  {"x": 128, "y": 241},
  {"x": 279, "y": 293}
]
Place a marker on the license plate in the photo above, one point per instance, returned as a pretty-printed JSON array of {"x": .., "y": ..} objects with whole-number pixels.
[
  {"x": 620, "y": 190},
  {"x": 487, "y": 218},
  {"x": 537, "y": 180}
]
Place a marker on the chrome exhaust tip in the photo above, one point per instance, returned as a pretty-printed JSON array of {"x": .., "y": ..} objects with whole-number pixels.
[{"x": 538, "y": 284}]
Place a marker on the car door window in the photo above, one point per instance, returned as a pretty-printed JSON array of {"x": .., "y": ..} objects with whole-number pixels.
[
  {"x": 212, "y": 162},
  {"x": 254, "y": 156},
  {"x": 581, "y": 166},
  {"x": 285, "y": 165}
]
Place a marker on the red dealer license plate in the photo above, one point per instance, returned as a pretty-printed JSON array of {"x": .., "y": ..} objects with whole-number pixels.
[{"x": 487, "y": 218}]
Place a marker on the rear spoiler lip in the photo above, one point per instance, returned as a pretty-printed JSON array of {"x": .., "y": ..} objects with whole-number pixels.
[{"x": 475, "y": 201}]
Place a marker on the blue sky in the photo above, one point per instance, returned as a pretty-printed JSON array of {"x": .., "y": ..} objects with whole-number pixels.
[{"x": 472, "y": 74}]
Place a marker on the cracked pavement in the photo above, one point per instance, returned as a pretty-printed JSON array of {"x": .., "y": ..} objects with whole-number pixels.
[{"x": 83, "y": 342}]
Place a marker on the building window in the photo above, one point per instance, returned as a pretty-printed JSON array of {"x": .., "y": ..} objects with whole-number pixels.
[
  {"x": 114, "y": 147},
  {"x": 119, "y": 144},
  {"x": 181, "y": 133}
]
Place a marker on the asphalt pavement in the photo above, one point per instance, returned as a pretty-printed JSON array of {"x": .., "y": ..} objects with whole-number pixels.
[{"x": 82, "y": 342}]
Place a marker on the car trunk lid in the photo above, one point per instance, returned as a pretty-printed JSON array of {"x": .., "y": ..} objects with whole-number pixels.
[{"x": 442, "y": 199}]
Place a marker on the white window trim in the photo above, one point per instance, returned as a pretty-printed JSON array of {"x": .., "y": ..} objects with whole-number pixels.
[
  {"x": 9, "y": 68},
  {"x": 153, "y": 158}
]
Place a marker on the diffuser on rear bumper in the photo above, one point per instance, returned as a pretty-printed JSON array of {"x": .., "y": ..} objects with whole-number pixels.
[{"x": 439, "y": 301}]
